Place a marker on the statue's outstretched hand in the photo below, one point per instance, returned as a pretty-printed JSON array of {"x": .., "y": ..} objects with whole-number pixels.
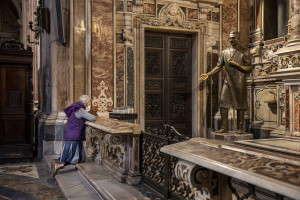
[{"x": 203, "y": 77}]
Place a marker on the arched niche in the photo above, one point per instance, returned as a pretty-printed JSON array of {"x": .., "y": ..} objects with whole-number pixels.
[{"x": 10, "y": 27}]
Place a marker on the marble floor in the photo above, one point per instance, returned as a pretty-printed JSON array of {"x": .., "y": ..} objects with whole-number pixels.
[{"x": 28, "y": 181}]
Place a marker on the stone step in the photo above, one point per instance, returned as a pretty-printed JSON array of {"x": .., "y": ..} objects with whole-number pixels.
[
  {"x": 72, "y": 183},
  {"x": 102, "y": 180},
  {"x": 92, "y": 181}
]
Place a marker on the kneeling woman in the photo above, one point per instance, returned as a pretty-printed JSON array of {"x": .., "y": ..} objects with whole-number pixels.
[{"x": 75, "y": 134}]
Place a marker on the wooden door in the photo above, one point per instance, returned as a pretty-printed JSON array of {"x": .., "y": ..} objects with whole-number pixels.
[
  {"x": 16, "y": 138},
  {"x": 168, "y": 81}
]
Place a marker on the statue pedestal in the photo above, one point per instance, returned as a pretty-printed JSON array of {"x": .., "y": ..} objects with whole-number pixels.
[{"x": 231, "y": 136}]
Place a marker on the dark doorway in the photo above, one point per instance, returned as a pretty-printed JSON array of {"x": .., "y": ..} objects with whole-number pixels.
[
  {"x": 168, "y": 81},
  {"x": 16, "y": 138}
]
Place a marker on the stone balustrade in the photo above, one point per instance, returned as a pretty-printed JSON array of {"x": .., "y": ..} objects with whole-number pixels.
[
  {"x": 208, "y": 166},
  {"x": 115, "y": 144}
]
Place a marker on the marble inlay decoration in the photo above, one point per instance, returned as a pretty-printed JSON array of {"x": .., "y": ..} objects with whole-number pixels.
[
  {"x": 102, "y": 103},
  {"x": 285, "y": 145},
  {"x": 290, "y": 61},
  {"x": 149, "y": 8},
  {"x": 192, "y": 13}
]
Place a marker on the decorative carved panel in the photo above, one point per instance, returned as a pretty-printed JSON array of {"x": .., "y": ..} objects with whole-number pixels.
[
  {"x": 153, "y": 106},
  {"x": 178, "y": 106},
  {"x": 154, "y": 63},
  {"x": 179, "y": 63}
]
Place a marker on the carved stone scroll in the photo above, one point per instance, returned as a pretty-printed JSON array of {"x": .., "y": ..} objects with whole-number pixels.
[{"x": 200, "y": 178}]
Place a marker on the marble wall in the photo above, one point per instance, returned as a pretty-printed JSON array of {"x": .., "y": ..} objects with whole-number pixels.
[
  {"x": 102, "y": 55},
  {"x": 276, "y": 69},
  {"x": 230, "y": 20},
  {"x": 79, "y": 49}
]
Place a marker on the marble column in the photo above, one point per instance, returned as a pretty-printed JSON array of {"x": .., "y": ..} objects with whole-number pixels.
[{"x": 295, "y": 21}]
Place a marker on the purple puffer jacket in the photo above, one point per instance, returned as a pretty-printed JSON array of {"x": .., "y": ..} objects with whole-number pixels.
[{"x": 75, "y": 126}]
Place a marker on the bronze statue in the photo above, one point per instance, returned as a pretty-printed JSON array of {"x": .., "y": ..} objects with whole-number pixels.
[{"x": 237, "y": 63}]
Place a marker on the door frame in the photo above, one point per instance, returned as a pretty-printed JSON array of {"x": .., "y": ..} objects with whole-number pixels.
[{"x": 198, "y": 67}]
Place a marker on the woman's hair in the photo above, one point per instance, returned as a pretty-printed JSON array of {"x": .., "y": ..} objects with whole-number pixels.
[{"x": 84, "y": 99}]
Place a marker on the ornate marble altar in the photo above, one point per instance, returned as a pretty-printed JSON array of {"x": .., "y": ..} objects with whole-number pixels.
[
  {"x": 115, "y": 144},
  {"x": 201, "y": 161}
]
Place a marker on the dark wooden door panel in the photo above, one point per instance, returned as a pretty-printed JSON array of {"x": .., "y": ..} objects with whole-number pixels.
[
  {"x": 15, "y": 129},
  {"x": 15, "y": 98},
  {"x": 14, "y": 92},
  {"x": 168, "y": 81}
]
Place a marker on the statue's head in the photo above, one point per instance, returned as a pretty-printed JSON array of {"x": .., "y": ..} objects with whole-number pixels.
[{"x": 234, "y": 38}]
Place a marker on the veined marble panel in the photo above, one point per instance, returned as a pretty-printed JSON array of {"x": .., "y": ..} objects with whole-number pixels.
[
  {"x": 229, "y": 20},
  {"x": 120, "y": 76},
  {"x": 102, "y": 53}
]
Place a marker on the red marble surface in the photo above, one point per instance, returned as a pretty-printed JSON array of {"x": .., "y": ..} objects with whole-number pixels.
[
  {"x": 192, "y": 13},
  {"x": 287, "y": 108},
  {"x": 296, "y": 114},
  {"x": 102, "y": 47},
  {"x": 244, "y": 23},
  {"x": 229, "y": 20},
  {"x": 149, "y": 8}
]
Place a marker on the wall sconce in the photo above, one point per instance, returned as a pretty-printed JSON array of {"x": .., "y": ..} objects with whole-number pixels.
[{"x": 41, "y": 22}]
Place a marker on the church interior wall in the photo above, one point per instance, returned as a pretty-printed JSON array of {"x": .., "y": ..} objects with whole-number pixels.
[{"x": 102, "y": 57}]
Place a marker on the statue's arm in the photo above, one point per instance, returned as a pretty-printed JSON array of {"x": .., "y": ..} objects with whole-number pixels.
[
  {"x": 246, "y": 67},
  {"x": 216, "y": 70}
]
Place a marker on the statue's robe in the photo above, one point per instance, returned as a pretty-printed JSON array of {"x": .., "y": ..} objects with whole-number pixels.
[{"x": 234, "y": 90}]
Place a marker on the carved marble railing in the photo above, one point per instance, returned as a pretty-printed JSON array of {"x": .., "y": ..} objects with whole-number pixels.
[
  {"x": 115, "y": 144},
  {"x": 209, "y": 166}
]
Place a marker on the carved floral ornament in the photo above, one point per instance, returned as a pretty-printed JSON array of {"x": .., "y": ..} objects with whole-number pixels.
[
  {"x": 291, "y": 61},
  {"x": 170, "y": 15},
  {"x": 271, "y": 57}
]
